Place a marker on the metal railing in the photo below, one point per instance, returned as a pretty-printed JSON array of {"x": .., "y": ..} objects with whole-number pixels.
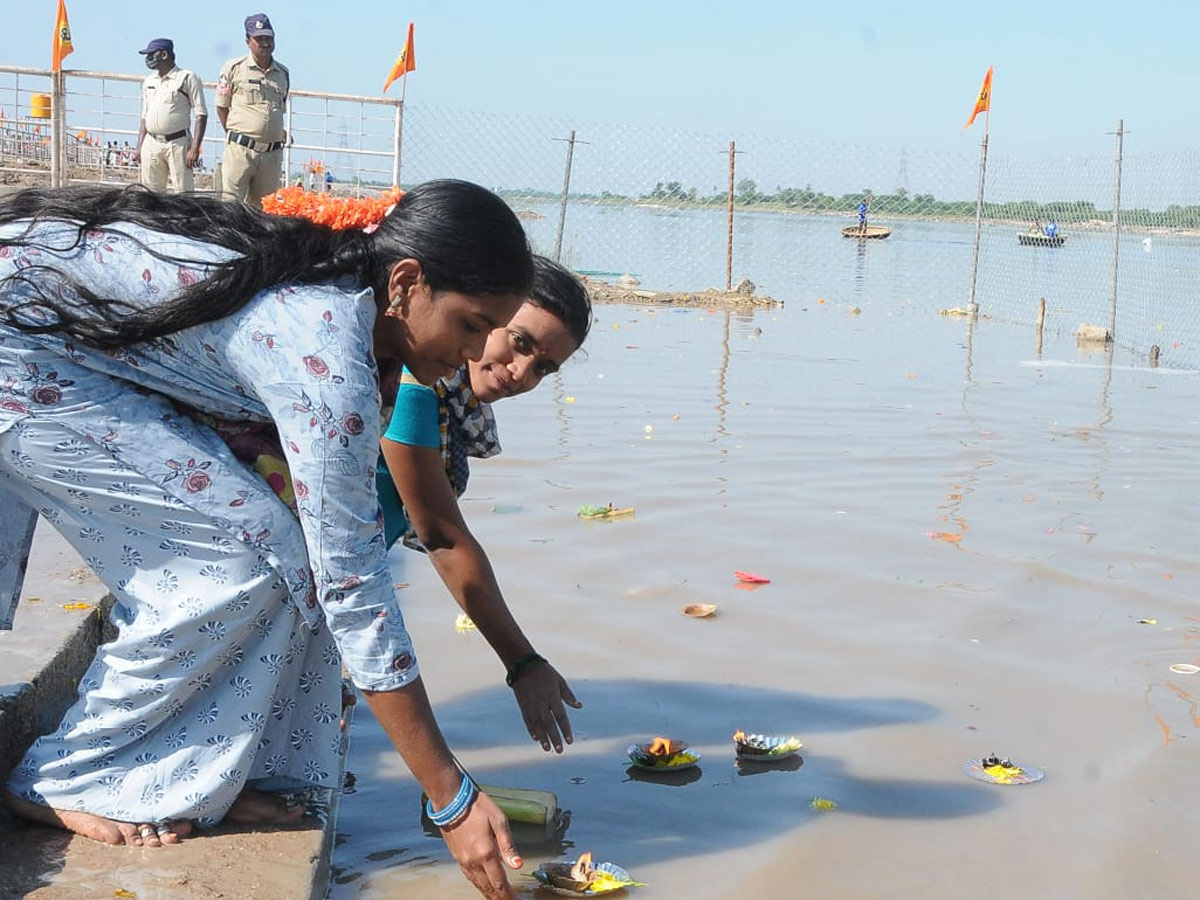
[{"x": 83, "y": 126}]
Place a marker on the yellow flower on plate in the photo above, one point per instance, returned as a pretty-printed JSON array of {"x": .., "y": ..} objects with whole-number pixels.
[
  {"x": 823, "y": 804},
  {"x": 1004, "y": 774},
  {"x": 463, "y": 623}
]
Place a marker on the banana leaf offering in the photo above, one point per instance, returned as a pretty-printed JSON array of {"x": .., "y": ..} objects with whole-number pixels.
[
  {"x": 605, "y": 512},
  {"x": 765, "y": 747},
  {"x": 583, "y": 878}
]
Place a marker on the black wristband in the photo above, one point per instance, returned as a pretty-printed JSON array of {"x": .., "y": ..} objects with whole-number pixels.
[{"x": 515, "y": 670}]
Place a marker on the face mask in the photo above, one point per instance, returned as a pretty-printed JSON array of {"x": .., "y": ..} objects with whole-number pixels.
[{"x": 152, "y": 59}]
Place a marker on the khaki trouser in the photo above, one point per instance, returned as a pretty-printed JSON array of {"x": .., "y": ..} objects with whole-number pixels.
[
  {"x": 160, "y": 158},
  {"x": 249, "y": 175}
]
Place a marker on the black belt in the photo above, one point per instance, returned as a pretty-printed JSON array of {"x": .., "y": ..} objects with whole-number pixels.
[
  {"x": 173, "y": 136},
  {"x": 236, "y": 137}
]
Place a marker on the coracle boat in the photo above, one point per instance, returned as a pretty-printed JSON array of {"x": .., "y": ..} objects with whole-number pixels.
[
  {"x": 1040, "y": 240},
  {"x": 871, "y": 231}
]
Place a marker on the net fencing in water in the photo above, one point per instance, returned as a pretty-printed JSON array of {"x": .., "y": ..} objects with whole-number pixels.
[{"x": 653, "y": 202}]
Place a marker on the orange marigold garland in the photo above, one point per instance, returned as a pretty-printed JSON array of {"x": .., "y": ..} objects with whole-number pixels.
[{"x": 335, "y": 211}]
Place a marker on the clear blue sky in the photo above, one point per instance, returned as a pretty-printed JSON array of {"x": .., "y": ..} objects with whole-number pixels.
[{"x": 898, "y": 73}]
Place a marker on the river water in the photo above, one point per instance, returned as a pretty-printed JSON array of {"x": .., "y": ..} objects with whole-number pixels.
[{"x": 964, "y": 534}]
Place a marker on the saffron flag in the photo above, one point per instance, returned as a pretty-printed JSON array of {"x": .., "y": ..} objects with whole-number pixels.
[
  {"x": 62, "y": 38},
  {"x": 984, "y": 101},
  {"x": 405, "y": 62}
]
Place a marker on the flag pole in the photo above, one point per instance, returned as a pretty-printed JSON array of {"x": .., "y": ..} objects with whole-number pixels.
[
  {"x": 400, "y": 130},
  {"x": 972, "y": 306}
]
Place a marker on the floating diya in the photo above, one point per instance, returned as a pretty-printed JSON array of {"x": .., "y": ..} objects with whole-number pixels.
[
  {"x": 699, "y": 610},
  {"x": 765, "y": 747},
  {"x": 605, "y": 512},
  {"x": 662, "y": 755},
  {"x": 996, "y": 770},
  {"x": 583, "y": 877}
]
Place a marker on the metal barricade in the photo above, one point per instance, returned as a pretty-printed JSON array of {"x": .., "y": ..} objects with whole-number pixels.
[{"x": 91, "y": 134}]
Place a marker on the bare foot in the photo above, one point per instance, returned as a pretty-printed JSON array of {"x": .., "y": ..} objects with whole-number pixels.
[
  {"x": 98, "y": 828},
  {"x": 263, "y": 808}
]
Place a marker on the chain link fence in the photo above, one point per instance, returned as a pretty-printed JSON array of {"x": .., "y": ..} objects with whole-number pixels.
[{"x": 654, "y": 202}]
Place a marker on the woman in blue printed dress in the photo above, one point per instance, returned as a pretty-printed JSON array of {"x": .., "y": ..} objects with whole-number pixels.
[
  {"x": 122, "y": 313},
  {"x": 433, "y": 431}
]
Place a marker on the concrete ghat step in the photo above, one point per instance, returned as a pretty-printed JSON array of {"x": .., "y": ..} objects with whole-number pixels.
[{"x": 41, "y": 662}]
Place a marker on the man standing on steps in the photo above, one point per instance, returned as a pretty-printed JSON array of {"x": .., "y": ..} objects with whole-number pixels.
[
  {"x": 170, "y": 97},
  {"x": 251, "y": 98}
]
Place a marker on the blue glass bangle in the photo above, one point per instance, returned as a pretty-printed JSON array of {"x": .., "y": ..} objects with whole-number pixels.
[{"x": 456, "y": 808}]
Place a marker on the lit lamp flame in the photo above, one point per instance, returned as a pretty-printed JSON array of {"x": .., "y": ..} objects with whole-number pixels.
[
  {"x": 582, "y": 869},
  {"x": 660, "y": 746}
]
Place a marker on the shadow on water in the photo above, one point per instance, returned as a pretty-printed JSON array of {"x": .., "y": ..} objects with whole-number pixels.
[{"x": 636, "y": 817}]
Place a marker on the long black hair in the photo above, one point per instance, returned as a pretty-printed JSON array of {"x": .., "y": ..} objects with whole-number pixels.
[
  {"x": 557, "y": 290},
  {"x": 464, "y": 236}
]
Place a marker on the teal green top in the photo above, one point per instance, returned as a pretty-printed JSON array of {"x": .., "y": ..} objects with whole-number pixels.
[{"x": 415, "y": 423}]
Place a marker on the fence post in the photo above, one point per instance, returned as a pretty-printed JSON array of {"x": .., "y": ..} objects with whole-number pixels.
[
  {"x": 1041, "y": 324},
  {"x": 562, "y": 209},
  {"x": 729, "y": 223},
  {"x": 287, "y": 146},
  {"x": 58, "y": 98},
  {"x": 399, "y": 134},
  {"x": 1116, "y": 247}
]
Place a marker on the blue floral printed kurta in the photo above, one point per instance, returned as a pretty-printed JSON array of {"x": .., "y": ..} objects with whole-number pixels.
[{"x": 222, "y": 671}]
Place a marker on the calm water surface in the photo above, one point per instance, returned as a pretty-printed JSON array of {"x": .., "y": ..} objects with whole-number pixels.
[
  {"x": 924, "y": 266},
  {"x": 962, "y": 537}
]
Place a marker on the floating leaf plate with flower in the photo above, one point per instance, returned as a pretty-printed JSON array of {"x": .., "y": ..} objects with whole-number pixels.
[
  {"x": 582, "y": 878},
  {"x": 662, "y": 755},
  {"x": 765, "y": 747}
]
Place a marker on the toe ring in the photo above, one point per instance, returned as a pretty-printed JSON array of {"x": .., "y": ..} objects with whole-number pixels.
[
  {"x": 164, "y": 829},
  {"x": 147, "y": 831}
]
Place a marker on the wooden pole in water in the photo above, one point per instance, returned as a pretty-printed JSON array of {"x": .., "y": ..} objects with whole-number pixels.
[
  {"x": 972, "y": 307},
  {"x": 1116, "y": 247},
  {"x": 729, "y": 224},
  {"x": 1041, "y": 323},
  {"x": 562, "y": 209}
]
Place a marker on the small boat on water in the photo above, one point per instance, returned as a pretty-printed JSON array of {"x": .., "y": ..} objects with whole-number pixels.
[
  {"x": 871, "y": 231},
  {"x": 1028, "y": 239}
]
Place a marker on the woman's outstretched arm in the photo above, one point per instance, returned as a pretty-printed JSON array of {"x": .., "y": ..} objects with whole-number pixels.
[
  {"x": 480, "y": 842},
  {"x": 541, "y": 693}
]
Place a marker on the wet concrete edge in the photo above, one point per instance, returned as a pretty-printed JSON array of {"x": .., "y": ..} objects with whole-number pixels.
[{"x": 37, "y": 688}]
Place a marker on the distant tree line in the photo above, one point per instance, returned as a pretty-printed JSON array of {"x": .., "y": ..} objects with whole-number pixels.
[{"x": 899, "y": 203}]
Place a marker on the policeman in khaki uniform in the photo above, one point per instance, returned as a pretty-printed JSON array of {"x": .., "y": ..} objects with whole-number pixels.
[
  {"x": 170, "y": 97},
  {"x": 251, "y": 96}
]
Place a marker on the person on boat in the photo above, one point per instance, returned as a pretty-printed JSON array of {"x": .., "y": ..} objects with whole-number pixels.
[
  {"x": 434, "y": 430},
  {"x": 1036, "y": 227},
  {"x": 121, "y": 313},
  {"x": 1051, "y": 229},
  {"x": 863, "y": 206}
]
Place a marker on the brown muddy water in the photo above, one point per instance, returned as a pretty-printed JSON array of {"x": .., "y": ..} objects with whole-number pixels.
[{"x": 962, "y": 537}]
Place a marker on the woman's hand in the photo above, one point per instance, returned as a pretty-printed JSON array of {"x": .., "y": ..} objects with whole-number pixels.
[
  {"x": 541, "y": 693},
  {"x": 482, "y": 845}
]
